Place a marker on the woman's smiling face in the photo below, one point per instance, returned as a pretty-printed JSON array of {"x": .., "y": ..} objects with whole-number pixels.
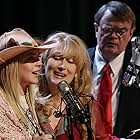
[{"x": 60, "y": 67}]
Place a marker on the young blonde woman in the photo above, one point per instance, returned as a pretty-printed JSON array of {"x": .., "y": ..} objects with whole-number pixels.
[
  {"x": 68, "y": 61},
  {"x": 19, "y": 69}
]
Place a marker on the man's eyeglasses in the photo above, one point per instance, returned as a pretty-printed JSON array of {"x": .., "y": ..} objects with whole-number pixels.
[{"x": 118, "y": 31}]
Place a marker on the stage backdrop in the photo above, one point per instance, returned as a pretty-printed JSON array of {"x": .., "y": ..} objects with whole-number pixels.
[{"x": 42, "y": 17}]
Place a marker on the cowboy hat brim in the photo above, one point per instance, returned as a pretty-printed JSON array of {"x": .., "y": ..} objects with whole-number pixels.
[{"x": 11, "y": 52}]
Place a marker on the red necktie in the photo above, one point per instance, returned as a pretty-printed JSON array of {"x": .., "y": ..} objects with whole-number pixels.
[{"x": 104, "y": 97}]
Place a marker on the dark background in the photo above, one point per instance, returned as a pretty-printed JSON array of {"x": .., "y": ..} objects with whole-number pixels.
[{"x": 42, "y": 17}]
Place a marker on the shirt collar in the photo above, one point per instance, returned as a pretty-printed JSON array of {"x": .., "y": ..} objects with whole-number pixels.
[{"x": 115, "y": 64}]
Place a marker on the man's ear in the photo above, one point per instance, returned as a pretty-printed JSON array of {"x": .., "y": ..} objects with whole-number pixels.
[
  {"x": 132, "y": 32},
  {"x": 96, "y": 27}
]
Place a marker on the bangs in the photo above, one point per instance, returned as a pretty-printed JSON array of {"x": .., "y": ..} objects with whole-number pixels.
[{"x": 69, "y": 49}]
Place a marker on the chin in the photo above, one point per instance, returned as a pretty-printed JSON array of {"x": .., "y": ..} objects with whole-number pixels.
[
  {"x": 109, "y": 51},
  {"x": 56, "y": 81},
  {"x": 35, "y": 81}
]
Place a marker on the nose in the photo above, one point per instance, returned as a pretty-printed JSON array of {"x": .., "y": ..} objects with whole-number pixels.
[
  {"x": 62, "y": 65},
  {"x": 115, "y": 34},
  {"x": 38, "y": 63}
]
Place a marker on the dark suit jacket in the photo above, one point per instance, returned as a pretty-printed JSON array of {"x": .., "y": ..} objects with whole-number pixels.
[{"x": 128, "y": 116}]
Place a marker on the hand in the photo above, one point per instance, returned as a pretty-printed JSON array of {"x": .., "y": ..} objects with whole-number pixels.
[{"x": 43, "y": 137}]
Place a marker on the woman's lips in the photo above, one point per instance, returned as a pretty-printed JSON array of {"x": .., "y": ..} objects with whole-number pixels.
[{"x": 59, "y": 74}]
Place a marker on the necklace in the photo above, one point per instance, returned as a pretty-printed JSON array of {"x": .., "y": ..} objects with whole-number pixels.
[
  {"x": 58, "y": 112},
  {"x": 32, "y": 125}
]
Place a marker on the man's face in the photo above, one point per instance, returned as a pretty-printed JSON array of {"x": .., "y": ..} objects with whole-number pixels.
[{"x": 112, "y": 36}]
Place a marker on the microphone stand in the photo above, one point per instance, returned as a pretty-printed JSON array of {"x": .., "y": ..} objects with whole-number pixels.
[
  {"x": 70, "y": 127},
  {"x": 87, "y": 121},
  {"x": 80, "y": 117},
  {"x": 89, "y": 130}
]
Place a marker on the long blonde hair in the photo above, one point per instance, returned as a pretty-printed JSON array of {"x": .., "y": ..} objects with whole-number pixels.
[{"x": 9, "y": 84}]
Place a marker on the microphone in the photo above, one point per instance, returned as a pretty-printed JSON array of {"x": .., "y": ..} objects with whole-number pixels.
[
  {"x": 75, "y": 107},
  {"x": 78, "y": 110},
  {"x": 131, "y": 75},
  {"x": 41, "y": 74}
]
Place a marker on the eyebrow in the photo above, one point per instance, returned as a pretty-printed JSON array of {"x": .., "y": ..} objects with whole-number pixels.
[{"x": 57, "y": 53}]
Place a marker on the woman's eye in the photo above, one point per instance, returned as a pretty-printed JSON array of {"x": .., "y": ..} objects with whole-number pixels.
[
  {"x": 70, "y": 60},
  {"x": 31, "y": 59},
  {"x": 57, "y": 58}
]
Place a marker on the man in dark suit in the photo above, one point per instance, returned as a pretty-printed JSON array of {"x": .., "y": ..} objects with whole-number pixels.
[{"x": 114, "y": 27}]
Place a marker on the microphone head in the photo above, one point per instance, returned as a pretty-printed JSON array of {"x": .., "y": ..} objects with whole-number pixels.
[
  {"x": 63, "y": 86},
  {"x": 73, "y": 103}
]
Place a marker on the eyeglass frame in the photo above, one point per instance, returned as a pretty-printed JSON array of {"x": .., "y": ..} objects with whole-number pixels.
[{"x": 118, "y": 31}]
